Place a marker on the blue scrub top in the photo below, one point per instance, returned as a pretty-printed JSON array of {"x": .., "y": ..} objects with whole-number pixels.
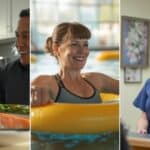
[{"x": 143, "y": 100}]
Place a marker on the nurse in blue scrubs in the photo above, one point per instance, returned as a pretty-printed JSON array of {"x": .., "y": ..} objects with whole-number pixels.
[{"x": 143, "y": 102}]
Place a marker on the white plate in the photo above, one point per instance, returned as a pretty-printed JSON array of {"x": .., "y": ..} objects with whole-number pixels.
[{"x": 14, "y": 139}]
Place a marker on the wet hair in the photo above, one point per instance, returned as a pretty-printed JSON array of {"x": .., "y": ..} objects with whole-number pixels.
[
  {"x": 65, "y": 31},
  {"x": 25, "y": 13}
]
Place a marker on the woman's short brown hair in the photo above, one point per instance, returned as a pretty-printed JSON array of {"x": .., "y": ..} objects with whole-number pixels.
[{"x": 65, "y": 31}]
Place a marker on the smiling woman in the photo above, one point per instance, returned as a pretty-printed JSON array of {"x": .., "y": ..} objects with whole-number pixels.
[{"x": 69, "y": 45}]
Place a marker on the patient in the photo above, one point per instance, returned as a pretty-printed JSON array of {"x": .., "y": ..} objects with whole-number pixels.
[{"x": 143, "y": 103}]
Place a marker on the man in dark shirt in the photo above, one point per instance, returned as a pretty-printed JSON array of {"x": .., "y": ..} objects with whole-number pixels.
[{"x": 14, "y": 79}]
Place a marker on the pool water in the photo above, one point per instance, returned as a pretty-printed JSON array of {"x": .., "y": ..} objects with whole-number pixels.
[{"x": 102, "y": 141}]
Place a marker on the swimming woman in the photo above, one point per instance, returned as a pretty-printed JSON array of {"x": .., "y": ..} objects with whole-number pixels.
[{"x": 69, "y": 45}]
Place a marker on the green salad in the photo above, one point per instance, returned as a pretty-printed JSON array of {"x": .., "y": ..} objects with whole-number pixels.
[{"x": 14, "y": 108}]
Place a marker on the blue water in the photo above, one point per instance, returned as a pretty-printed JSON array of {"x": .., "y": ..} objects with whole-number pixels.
[{"x": 44, "y": 141}]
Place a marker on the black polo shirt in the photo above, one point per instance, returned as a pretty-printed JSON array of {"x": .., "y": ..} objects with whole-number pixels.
[{"x": 14, "y": 84}]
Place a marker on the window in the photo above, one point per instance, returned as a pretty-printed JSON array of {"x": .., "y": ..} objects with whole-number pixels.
[{"x": 101, "y": 16}]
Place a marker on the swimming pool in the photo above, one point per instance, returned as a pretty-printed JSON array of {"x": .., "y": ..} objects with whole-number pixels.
[{"x": 46, "y": 64}]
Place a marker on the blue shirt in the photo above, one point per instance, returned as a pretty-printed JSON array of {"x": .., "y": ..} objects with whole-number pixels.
[{"x": 143, "y": 100}]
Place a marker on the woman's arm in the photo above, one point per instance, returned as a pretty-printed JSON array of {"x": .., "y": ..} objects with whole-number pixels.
[
  {"x": 103, "y": 82},
  {"x": 110, "y": 85},
  {"x": 41, "y": 92},
  {"x": 142, "y": 124}
]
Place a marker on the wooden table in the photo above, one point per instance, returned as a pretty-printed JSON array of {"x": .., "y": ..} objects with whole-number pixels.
[{"x": 138, "y": 141}]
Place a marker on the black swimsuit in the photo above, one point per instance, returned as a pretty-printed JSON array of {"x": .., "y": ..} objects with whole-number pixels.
[{"x": 66, "y": 96}]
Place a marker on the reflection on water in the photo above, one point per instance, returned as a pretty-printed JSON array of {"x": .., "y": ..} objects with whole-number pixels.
[
  {"x": 103, "y": 141},
  {"x": 47, "y": 64}
]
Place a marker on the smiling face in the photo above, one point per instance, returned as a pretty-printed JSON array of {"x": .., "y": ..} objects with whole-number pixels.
[
  {"x": 23, "y": 39},
  {"x": 73, "y": 54}
]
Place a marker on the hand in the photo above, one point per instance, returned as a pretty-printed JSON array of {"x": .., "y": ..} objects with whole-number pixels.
[
  {"x": 142, "y": 131},
  {"x": 142, "y": 124},
  {"x": 40, "y": 96}
]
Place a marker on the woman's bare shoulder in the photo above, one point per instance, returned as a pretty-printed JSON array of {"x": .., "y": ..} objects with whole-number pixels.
[
  {"x": 94, "y": 75},
  {"x": 43, "y": 79},
  {"x": 102, "y": 82},
  {"x": 95, "y": 78}
]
